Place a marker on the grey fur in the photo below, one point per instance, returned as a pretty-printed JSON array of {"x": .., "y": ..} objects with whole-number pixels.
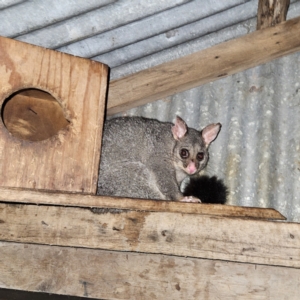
[{"x": 140, "y": 158}]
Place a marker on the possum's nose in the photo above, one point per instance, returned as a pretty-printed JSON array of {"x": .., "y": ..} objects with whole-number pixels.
[{"x": 191, "y": 168}]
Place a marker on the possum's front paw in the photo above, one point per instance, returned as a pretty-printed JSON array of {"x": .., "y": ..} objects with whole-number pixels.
[{"x": 190, "y": 199}]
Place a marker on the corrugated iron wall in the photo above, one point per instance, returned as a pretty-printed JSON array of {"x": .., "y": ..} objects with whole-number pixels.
[{"x": 258, "y": 150}]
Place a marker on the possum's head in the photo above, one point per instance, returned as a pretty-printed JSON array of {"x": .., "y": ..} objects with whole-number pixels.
[{"x": 191, "y": 148}]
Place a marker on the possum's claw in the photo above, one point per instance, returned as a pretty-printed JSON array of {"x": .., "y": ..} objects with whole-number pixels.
[{"x": 190, "y": 199}]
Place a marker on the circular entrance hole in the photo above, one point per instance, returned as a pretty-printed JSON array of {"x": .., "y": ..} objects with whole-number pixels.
[{"x": 33, "y": 115}]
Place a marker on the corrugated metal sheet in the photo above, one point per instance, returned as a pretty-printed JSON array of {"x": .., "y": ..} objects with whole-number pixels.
[{"x": 258, "y": 150}]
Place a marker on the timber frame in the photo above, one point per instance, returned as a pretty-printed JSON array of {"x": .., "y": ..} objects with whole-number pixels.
[{"x": 76, "y": 244}]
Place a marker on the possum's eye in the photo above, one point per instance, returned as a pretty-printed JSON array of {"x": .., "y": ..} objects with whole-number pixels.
[
  {"x": 184, "y": 153},
  {"x": 200, "y": 156}
]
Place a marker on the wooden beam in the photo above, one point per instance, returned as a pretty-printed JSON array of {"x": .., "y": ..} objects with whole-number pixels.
[
  {"x": 271, "y": 12},
  {"x": 80, "y": 200},
  {"x": 205, "y": 66},
  {"x": 126, "y": 275},
  {"x": 193, "y": 235}
]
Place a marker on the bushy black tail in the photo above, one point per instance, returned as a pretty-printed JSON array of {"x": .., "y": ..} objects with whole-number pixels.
[{"x": 207, "y": 189}]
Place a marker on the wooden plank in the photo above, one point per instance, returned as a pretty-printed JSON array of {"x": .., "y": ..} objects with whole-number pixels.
[
  {"x": 119, "y": 275},
  {"x": 200, "y": 236},
  {"x": 80, "y": 200},
  {"x": 68, "y": 160},
  {"x": 271, "y": 12},
  {"x": 205, "y": 66}
]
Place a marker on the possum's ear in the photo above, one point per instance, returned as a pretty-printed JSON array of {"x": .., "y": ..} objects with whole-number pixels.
[
  {"x": 179, "y": 129},
  {"x": 210, "y": 133}
]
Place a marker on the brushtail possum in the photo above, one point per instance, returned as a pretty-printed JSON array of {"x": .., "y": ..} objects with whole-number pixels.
[{"x": 147, "y": 159}]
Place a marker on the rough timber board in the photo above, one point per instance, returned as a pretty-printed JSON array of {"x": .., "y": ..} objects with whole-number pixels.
[
  {"x": 134, "y": 276},
  {"x": 68, "y": 161},
  {"x": 80, "y": 200},
  {"x": 199, "y": 236},
  {"x": 204, "y": 66}
]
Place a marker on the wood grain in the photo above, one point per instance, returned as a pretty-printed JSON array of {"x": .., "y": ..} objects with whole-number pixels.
[
  {"x": 271, "y": 12},
  {"x": 69, "y": 160},
  {"x": 80, "y": 200},
  {"x": 193, "y": 235},
  {"x": 134, "y": 276},
  {"x": 205, "y": 66}
]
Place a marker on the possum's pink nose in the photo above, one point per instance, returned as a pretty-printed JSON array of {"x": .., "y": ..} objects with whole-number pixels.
[{"x": 191, "y": 168}]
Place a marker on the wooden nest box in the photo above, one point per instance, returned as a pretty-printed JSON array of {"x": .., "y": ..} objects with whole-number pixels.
[{"x": 52, "y": 108}]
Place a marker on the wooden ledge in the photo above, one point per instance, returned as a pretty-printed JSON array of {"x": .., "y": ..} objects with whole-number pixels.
[
  {"x": 81, "y": 200},
  {"x": 177, "y": 234}
]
